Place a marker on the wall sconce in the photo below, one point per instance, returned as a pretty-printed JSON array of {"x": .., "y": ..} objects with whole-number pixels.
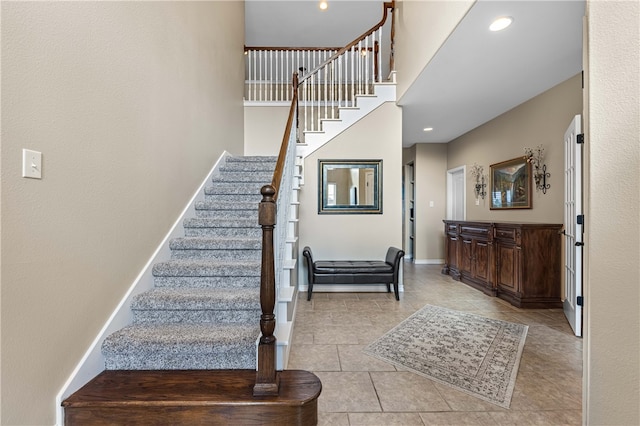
[
  {"x": 478, "y": 174},
  {"x": 535, "y": 157}
]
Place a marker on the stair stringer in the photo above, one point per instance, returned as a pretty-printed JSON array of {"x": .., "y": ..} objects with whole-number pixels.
[
  {"x": 287, "y": 288},
  {"x": 93, "y": 362},
  {"x": 383, "y": 92}
]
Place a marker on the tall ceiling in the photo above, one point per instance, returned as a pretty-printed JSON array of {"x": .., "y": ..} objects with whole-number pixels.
[{"x": 474, "y": 77}]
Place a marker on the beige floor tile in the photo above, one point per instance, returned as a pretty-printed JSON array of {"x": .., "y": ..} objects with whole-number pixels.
[
  {"x": 333, "y": 419},
  {"x": 385, "y": 419},
  {"x": 342, "y": 296},
  {"x": 337, "y": 335},
  {"x": 457, "y": 418},
  {"x": 461, "y": 401},
  {"x": 533, "y": 392},
  {"x": 328, "y": 305},
  {"x": 403, "y": 391},
  {"x": 347, "y": 392},
  {"x": 353, "y": 359},
  {"x": 314, "y": 358}
]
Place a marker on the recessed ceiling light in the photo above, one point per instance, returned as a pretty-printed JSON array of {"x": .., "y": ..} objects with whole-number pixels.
[
  {"x": 427, "y": 129},
  {"x": 501, "y": 23},
  {"x": 323, "y": 5}
]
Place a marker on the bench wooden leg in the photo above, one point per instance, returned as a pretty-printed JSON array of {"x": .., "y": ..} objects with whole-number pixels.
[
  {"x": 396, "y": 291},
  {"x": 388, "y": 288}
]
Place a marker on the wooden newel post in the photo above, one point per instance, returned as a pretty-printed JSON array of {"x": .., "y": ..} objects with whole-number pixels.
[{"x": 267, "y": 381}]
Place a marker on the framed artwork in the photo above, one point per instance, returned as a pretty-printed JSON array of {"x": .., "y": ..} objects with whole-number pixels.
[{"x": 511, "y": 184}]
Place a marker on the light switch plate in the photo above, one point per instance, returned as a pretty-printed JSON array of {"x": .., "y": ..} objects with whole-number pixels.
[{"x": 31, "y": 164}]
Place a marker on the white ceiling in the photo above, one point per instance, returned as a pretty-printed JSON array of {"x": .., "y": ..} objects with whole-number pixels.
[{"x": 474, "y": 77}]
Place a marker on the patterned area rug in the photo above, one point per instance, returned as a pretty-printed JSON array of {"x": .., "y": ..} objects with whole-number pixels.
[{"x": 474, "y": 354}]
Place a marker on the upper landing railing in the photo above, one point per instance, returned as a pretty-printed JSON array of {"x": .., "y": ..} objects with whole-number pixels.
[
  {"x": 329, "y": 77},
  {"x": 336, "y": 77}
]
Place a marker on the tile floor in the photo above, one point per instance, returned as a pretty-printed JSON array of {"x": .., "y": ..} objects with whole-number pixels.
[{"x": 332, "y": 329}]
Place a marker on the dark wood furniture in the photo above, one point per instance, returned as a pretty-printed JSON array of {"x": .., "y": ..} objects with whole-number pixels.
[
  {"x": 517, "y": 262},
  {"x": 355, "y": 271},
  {"x": 192, "y": 397}
]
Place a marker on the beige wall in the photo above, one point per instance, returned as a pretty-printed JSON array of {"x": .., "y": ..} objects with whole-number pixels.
[
  {"x": 357, "y": 236},
  {"x": 422, "y": 26},
  {"x": 130, "y": 103},
  {"x": 264, "y": 128},
  {"x": 612, "y": 319},
  {"x": 541, "y": 120},
  {"x": 430, "y": 169}
]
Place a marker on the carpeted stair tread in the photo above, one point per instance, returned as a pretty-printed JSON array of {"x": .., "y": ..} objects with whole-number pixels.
[
  {"x": 198, "y": 299},
  {"x": 236, "y": 188},
  {"x": 207, "y": 282},
  {"x": 249, "y": 166},
  {"x": 206, "y": 268},
  {"x": 205, "y": 222},
  {"x": 181, "y": 346},
  {"x": 222, "y": 243},
  {"x": 228, "y": 206},
  {"x": 263, "y": 177},
  {"x": 251, "y": 159}
]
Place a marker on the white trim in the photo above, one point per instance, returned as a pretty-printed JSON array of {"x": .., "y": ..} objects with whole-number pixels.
[
  {"x": 428, "y": 261},
  {"x": 349, "y": 288},
  {"x": 92, "y": 363}
]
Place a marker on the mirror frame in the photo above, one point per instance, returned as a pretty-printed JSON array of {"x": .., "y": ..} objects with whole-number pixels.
[{"x": 325, "y": 208}]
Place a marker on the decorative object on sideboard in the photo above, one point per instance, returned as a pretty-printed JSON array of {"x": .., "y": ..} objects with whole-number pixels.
[
  {"x": 477, "y": 172},
  {"x": 535, "y": 156}
]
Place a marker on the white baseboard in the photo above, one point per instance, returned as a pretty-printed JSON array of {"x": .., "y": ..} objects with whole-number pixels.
[
  {"x": 428, "y": 261},
  {"x": 349, "y": 288},
  {"x": 92, "y": 363}
]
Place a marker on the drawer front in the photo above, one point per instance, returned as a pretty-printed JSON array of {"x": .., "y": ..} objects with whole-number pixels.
[
  {"x": 477, "y": 231},
  {"x": 511, "y": 235},
  {"x": 451, "y": 228}
]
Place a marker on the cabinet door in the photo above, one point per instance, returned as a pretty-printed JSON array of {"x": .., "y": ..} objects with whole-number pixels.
[
  {"x": 466, "y": 258},
  {"x": 452, "y": 251},
  {"x": 507, "y": 273},
  {"x": 481, "y": 260}
]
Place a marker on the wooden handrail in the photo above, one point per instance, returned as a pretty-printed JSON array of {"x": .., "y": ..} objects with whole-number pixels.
[
  {"x": 318, "y": 49},
  {"x": 247, "y": 48},
  {"x": 277, "y": 174},
  {"x": 386, "y": 5}
]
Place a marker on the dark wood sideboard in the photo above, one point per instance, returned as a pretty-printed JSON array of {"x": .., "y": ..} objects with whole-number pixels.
[{"x": 517, "y": 262}]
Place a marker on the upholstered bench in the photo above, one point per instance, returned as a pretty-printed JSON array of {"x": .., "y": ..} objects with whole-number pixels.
[{"x": 355, "y": 271}]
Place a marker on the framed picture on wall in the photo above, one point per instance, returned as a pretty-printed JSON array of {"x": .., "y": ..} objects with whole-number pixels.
[{"x": 511, "y": 184}]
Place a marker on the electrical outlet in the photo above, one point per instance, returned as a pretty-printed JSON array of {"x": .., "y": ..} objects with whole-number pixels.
[{"x": 31, "y": 164}]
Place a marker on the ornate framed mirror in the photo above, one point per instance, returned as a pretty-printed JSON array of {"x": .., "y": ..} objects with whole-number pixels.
[{"x": 350, "y": 186}]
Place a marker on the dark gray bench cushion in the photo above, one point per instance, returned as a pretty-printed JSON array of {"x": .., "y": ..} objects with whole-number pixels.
[
  {"x": 352, "y": 267},
  {"x": 355, "y": 271}
]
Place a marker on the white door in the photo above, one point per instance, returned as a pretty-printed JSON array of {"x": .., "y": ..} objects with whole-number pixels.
[
  {"x": 456, "y": 194},
  {"x": 573, "y": 224},
  {"x": 368, "y": 181}
]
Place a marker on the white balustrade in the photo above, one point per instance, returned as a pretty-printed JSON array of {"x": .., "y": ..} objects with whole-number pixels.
[{"x": 328, "y": 81}]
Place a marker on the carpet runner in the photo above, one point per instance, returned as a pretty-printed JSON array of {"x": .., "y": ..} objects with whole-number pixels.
[{"x": 204, "y": 309}]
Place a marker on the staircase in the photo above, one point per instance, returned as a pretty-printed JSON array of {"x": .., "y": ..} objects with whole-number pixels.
[
  {"x": 201, "y": 316},
  {"x": 203, "y": 311}
]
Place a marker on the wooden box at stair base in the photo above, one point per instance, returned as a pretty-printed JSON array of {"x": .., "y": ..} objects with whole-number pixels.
[{"x": 517, "y": 262}]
